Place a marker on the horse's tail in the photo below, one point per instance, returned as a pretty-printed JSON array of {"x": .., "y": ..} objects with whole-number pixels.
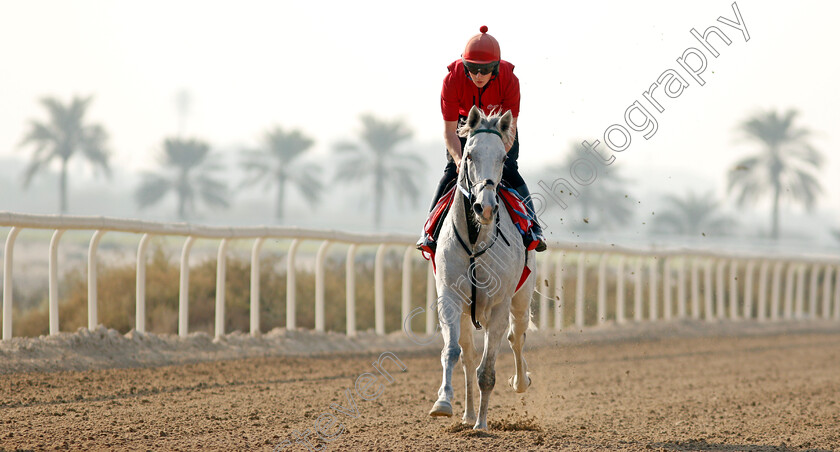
[{"x": 531, "y": 325}]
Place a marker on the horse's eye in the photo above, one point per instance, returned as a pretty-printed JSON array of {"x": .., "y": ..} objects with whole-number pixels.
[{"x": 469, "y": 156}]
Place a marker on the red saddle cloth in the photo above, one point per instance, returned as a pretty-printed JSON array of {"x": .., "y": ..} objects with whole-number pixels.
[
  {"x": 518, "y": 213},
  {"x": 437, "y": 214},
  {"x": 515, "y": 207}
]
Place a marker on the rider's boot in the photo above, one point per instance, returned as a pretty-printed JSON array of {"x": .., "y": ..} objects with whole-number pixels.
[
  {"x": 536, "y": 229},
  {"x": 428, "y": 242}
]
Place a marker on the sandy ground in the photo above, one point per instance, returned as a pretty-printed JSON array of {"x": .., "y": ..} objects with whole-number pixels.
[{"x": 682, "y": 386}]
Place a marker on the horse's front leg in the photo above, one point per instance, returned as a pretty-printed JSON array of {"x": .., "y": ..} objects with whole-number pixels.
[
  {"x": 469, "y": 359},
  {"x": 449, "y": 315},
  {"x": 487, "y": 369}
]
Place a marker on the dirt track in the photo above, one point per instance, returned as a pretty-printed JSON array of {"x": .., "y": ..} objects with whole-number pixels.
[{"x": 749, "y": 393}]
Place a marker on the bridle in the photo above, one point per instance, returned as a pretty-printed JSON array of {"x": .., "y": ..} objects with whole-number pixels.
[
  {"x": 468, "y": 191},
  {"x": 471, "y": 253}
]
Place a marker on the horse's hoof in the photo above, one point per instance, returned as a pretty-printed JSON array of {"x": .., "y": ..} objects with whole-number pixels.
[
  {"x": 468, "y": 420},
  {"x": 480, "y": 426},
  {"x": 519, "y": 387},
  {"x": 441, "y": 408}
]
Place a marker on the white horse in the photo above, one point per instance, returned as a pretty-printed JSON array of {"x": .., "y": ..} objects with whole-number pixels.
[{"x": 480, "y": 258}]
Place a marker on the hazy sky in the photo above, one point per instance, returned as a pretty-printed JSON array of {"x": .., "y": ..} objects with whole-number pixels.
[{"x": 316, "y": 66}]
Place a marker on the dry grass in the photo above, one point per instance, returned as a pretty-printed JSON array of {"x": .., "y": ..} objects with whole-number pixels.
[
  {"x": 116, "y": 295},
  {"x": 117, "y": 287}
]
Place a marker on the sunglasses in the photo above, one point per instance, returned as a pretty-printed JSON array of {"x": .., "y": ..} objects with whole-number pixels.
[{"x": 481, "y": 68}]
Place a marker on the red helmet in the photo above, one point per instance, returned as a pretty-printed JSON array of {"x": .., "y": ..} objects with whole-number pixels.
[{"x": 482, "y": 48}]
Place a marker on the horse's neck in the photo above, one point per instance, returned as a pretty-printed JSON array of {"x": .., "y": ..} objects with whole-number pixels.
[{"x": 463, "y": 221}]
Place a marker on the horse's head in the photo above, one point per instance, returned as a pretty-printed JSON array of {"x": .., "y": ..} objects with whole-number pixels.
[{"x": 483, "y": 159}]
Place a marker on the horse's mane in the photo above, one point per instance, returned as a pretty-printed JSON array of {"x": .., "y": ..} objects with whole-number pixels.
[{"x": 487, "y": 122}]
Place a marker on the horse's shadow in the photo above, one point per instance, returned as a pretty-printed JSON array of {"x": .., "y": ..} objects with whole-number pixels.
[
  {"x": 467, "y": 430},
  {"x": 510, "y": 424},
  {"x": 701, "y": 445}
]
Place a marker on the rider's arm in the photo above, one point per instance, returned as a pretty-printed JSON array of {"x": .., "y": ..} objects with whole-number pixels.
[
  {"x": 513, "y": 134},
  {"x": 453, "y": 144}
]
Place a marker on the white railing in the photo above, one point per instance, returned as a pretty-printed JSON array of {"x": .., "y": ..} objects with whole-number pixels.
[
  {"x": 102, "y": 225},
  {"x": 667, "y": 276},
  {"x": 651, "y": 272}
]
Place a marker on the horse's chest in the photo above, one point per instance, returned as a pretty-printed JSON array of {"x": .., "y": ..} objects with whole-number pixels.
[{"x": 492, "y": 272}]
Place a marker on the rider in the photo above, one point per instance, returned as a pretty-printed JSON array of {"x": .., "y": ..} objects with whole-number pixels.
[{"x": 483, "y": 79}]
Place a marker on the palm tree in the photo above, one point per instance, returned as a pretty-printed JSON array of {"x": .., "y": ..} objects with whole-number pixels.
[
  {"x": 193, "y": 176},
  {"x": 692, "y": 215},
  {"x": 276, "y": 164},
  {"x": 61, "y": 137},
  {"x": 605, "y": 203},
  {"x": 379, "y": 162},
  {"x": 784, "y": 167}
]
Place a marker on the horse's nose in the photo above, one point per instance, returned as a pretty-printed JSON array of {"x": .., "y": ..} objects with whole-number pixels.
[{"x": 477, "y": 208}]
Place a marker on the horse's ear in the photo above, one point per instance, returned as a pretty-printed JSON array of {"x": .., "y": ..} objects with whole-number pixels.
[
  {"x": 473, "y": 118},
  {"x": 505, "y": 122}
]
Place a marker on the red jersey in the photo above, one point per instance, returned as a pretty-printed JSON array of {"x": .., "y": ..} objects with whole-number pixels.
[{"x": 459, "y": 93}]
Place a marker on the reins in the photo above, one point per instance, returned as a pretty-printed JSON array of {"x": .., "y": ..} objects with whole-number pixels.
[{"x": 470, "y": 252}]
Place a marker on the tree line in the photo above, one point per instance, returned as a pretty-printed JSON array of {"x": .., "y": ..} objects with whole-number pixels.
[
  {"x": 189, "y": 171},
  {"x": 783, "y": 169}
]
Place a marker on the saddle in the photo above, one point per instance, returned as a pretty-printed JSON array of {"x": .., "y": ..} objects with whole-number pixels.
[{"x": 514, "y": 205}]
